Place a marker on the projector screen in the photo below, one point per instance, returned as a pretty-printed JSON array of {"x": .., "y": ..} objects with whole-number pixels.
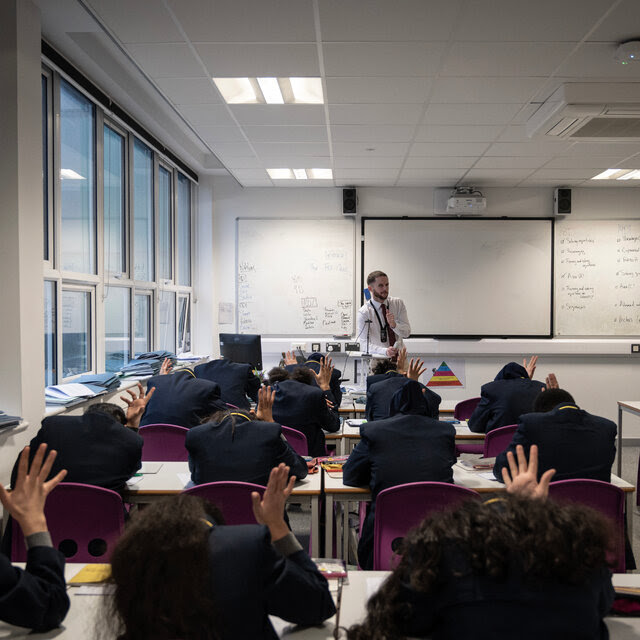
[{"x": 466, "y": 277}]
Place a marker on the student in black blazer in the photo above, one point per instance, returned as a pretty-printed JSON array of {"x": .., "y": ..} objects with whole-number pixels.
[
  {"x": 34, "y": 597},
  {"x": 381, "y": 387},
  {"x": 313, "y": 362},
  {"x": 573, "y": 442},
  {"x": 409, "y": 446},
  {"x": 504, "y": 400},
  {"x": 236, "y": 380},
  {"x": 235, "y": 445},
  {"x": 178, "y": 573},
  {"x": 181, "y": 399},
  {"x": 301, "y": 405}
]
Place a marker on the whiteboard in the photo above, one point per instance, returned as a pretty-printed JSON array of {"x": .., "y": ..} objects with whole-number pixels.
[
  {"x": 295, "y": 276},
  {"x": 466, "y": 277},
  {"x": 597, "y": 277}
]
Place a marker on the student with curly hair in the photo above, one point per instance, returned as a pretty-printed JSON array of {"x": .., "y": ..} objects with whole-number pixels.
[
  {"x": 510, "y": 567},
  {"x": 180, "y": 573}
]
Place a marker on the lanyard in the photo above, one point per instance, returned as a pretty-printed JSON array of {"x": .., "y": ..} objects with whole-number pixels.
[{"x": 383, "y": 327}]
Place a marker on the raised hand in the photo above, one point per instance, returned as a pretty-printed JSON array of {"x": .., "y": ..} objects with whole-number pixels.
[
  {"x": 551, "y": 382},
  {"x": 166, "y": 367},
  {"x": 323, "y": 378},
  {"x": 136, "y": 405},
  {"x": 416, "y": 369},
  {"x": 265, "y": 404},
  {"x": 401, "y": 365},
  {"x": 522, "y": 479},
  {"x": 269, "y": 509},
  {"x": 289, "y": 358},
  {"x": 26, "y": 502},
  {"x": 531, "y": 366}
]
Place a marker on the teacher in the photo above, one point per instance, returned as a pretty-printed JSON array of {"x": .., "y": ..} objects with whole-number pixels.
[{"x": 382, "y": 321}]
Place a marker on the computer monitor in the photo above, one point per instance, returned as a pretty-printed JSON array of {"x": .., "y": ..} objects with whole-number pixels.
[{"x": 242, "y": 347}]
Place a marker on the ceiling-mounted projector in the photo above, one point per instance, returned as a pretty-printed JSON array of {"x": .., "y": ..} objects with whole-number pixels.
[{"x": 466, "y": 200}]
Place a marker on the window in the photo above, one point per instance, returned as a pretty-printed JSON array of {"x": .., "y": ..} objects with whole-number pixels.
[
  {"x": 143, "y": 254},
  {"x": 46, "y": 182},
  {"x": 114, "y": 202},
  {"x": 164, "y": 225},
  {"x": 77, "y": 182},
  {"x": 142, "y": 323},
  {"x": 117, "y": 327},
  {"x": 50, "y": 333},
  {"x": 167, "y": 320},
  {"x": 76, "y": 332},
  {"x": 183, "y": 215},
  {"x": 184, "y": 324}
]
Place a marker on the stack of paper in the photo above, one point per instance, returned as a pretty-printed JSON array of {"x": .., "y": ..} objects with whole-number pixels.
[
  {"x": 8, "y": 421},
  {"x": 189, "y": 357},
  {"x": 99, "y": 382},
  {"x": 146, "y": 364},
  {"x": 66, "y": 393}
]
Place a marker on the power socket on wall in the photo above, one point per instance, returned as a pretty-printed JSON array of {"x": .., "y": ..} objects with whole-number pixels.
[{"x": 635, "y": 348}]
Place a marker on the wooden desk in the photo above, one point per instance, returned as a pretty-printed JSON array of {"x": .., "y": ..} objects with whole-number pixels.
[
  {"x": 170, "y": 480},
  {"x": 86, "y": 610},
  {"x": 633, "y": 407},
  {"x": 336, "y": 492}
]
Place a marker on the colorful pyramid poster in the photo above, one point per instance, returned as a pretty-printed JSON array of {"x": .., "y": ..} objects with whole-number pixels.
[{"x": 443, "y": 376}]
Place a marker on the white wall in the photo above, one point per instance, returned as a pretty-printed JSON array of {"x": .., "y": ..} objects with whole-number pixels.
[{"x": 600, "y": 375}]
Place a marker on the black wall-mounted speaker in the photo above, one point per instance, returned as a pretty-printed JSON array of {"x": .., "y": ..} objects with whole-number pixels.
[
  {"x": 349, "y": 201},
  {"x": 562, "y": 202}
]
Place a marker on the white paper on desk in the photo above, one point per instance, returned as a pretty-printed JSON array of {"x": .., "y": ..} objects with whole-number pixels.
[
  {"x": 185, "y": 478},
  {"x": 373, "y": 584},
  {"x": 487, "y": 475},
  {"x": 69, "y": 390},
  {"x": 355, "y": 422},
  {"x": 93, "y": 589},
  {"x": 150, "y": 467},
  {"x": 132, "y": 482}
]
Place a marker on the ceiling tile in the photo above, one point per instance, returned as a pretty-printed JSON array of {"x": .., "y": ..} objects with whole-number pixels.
[
  {"x": 367, "y": 114},
  {"x": 240, "y": 60},
  {"x": 365, "y": 133},
  {"x": 457, "y": 133},
  {"x": 166, "y": 60},
  {"x": 221, "y": 134},
  {"x": 278, "y": 115},
  {"x": 244, "y": 163},
  {"x": 526, "y": 21},
  {"x": 529, "y": 148},
  {"x": 368, "y": 162},
  {"x": 291, "y": 149},
  {"x": 245, "y": 20},
  {"x": 588, "y": 162},
  {"x": 225, "y": 150},
  {"x": 377, "y": 90},
  {"x": 443, "y": 176},
  {"x": 498, "y": 177},
  {"x": 286, "y": 134},
  {"x": 448, "y": 148},
  {"x": 492, "y": 90},
  {"x": 189, "y": 90},
  {"x": 596, "y": 59},
  {"x": 504, "y": 58},
  {"x": 207, "y": 114},
  {"x": 620, "y": 25},
  {"x": 562, "y": 174},
  {"x": 622, "y": 149},
  {"x": 382, "y": 58},
  {"x": 366, "y": 20},
  {"x": 551, "y": 182},
  {"x": 471, "y": 114},
  {"x": 496, "y": 162},
  {"x": 440, "y": 162},
  {"x": 251, "y": 174},
  {"x": 365, "y": 174},
  {"x": 299, "y": 162},
  {"x": 372, "y": 148}
]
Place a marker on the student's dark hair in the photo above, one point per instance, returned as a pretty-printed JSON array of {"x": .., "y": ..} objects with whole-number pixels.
[
  {"x": 382, "y": 366},
  {"x": 161, "y": 571},
  {"x": 371, "y": 278},
  {"x": 551, "y": 398},
  {"x": 302, "y": 374},
  {"x": 550, "y": 542},
  {"x": 110, "y": 409},
  {"x": 278, "y": 374}
]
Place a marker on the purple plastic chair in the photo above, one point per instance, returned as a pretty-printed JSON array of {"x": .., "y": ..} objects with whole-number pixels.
[
  {"x": 497, "y": 440},
  {"x": 297, "y": 440},
  {"x": 231, "y": 497},
  {"x": 603, "y": 497},
  {"x": 85, "y": 522},
  {"x": 164, "y": 443},
  {"x": 401, "y": 508},
  {"x": 463, "y": 411}
]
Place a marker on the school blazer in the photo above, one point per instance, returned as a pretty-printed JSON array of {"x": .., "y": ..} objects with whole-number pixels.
[
  {"x": 235, "y": 379},
  {"x": 379, "y": 396}
]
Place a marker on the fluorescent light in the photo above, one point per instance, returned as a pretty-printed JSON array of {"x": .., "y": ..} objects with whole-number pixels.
[
  {"x": 300, "y": 174},
  {"x": 320, "y": 174},
  {"x": 307, "y": 90},
  {"x": 632, "y": 175},
  {"x": 280, "y": 174},
  {"x": 236, "y": 90},
  {"x": 70, "y": 174},
  {"x": 271, "y": 90},
  {"x": 607, "y": 174}
]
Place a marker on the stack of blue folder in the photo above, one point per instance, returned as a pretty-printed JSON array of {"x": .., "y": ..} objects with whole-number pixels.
[
  {"x": 99, "y": 382},
  {"x": 146, "y": 364},
  {"x": 8, "y": 421}
]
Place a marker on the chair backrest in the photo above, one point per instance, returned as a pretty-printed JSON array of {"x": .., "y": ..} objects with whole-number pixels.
[
  {"x": 497, "y": 440},
  {"x": 603, "y": 497},
  {"x": 231, "y": 497},
  {"x": 85, "y": 522},
  {"x": 164, "y": 443},
  {"x": 297, "y": 440},
  {"x": 401, "y": 508},
  {"x": 464, "y": 408}
]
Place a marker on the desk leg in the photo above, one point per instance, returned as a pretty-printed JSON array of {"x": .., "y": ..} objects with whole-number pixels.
[
  {"x": 619, "y": 443},
  {"x": 345, "y": 531},
  {"x": 328, "y": 526},
  {"x": 315, "y": 526}
]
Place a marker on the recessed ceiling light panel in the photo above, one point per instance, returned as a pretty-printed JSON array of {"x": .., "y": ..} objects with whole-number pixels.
[
  {"x": 280, "y": 174},
  {"x": 236, "y": 90}
]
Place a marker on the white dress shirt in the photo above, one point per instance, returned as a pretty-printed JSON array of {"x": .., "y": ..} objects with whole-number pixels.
[{"x": 366, "y": 312}]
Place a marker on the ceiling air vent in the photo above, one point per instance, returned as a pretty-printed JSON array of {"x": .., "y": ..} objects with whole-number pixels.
[{"x": 590, "y": 112}]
